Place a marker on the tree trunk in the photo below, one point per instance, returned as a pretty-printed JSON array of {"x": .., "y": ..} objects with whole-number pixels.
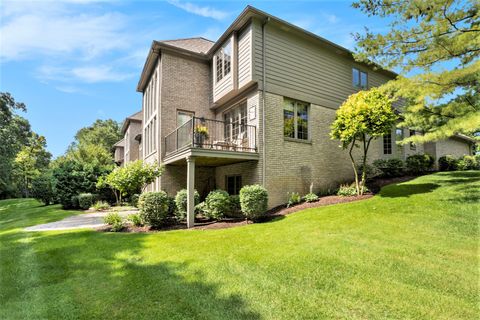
[
  {"x": 366, "y": 146},
  {"x": 354, "y": 166}
]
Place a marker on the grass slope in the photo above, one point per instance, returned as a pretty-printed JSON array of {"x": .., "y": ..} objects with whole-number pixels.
[{"x": 410, "y": 252}]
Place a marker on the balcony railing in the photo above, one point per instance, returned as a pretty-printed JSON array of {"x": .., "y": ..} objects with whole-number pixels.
[{"x": 212, "y": 134}]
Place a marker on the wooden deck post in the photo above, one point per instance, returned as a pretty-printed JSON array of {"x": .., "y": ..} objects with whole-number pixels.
[{"x": 190, "y": 191}]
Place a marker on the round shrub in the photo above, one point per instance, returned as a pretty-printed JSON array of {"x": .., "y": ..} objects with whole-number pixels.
[
  {"x": 154, "y": 208},
  {"x": 181, "y": 202},
  {"x": 419, "y": 163},
  {"x": 235, "y": 210},
  {"x": 85, "y": 200},
  {"x": 217, "y": 204},
  {"x": 468, "y": 163},
  {"x": 114, "y": 220},
  {"x": 447, "y": 163},
  {"x": 254, "y": 201},
  {"x": 389, "y": 167},
  {"x": 310, "y": 197}
]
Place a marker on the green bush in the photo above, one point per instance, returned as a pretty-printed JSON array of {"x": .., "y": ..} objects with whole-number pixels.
[
  {"x": 181, "y": 203},
  {"x": 154, "y": 208},
  {"x": 101, "y": 205},
  {"x": 310, "y": 197},
  {"x": 235, "y": 209},
  {"x": 85, "y": 200},
  {"x": 217, "y": 204},
  {"x": 136, "y": 219},
  {"x": 468, "y": 163},
  {"x": 389, "y": 167},
  {"x": 114, "y": 220},
  {"x": 348, "y": 190},
  {"x": 42, "y": 189},
  {"x": 254, "y": 201},
  {"x": 134, "y": 200},
  {"x": 293, "y": 199},
  {"x": 74, "y": 204},
  {"x": 172, "y": 207},
  {"x": 447, "y": 163},
  {"x": 419, "y": 163}
]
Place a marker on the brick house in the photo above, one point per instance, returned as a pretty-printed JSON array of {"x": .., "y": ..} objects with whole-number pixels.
[
  {"x": 254, "y": 107},
  {"x": 130, "y": 147}
]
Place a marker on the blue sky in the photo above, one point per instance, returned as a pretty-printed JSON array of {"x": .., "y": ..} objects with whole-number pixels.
[{"x": 72, "y": 62}]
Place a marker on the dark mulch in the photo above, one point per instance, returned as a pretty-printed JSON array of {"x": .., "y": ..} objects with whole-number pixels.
[{"x": 204, "y": 224}]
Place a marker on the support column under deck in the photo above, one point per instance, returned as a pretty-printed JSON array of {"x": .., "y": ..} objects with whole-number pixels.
[{"x": 190, "y": 192}]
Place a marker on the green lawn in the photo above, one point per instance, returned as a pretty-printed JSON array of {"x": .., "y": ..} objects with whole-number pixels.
[{"x": 410, "y": 252}]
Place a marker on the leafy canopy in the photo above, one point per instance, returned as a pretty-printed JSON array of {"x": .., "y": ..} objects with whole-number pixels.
[{"x": 435, "y": 45}]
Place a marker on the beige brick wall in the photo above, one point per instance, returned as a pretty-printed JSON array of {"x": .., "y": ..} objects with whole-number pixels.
[
  {"x": 452, "y": 146},
  {"x": 133, "y": 130}
]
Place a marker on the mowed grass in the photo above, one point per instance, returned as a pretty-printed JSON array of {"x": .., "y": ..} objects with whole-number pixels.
[{"x": 410, "y": 252}]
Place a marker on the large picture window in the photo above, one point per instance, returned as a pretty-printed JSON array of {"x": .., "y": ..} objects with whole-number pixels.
[
  {"x": 359, "y": 79},
  {"x": 235, "y": 122},
  {"x": 223, "y": 61},
  {"x": 295, "y": 119}
]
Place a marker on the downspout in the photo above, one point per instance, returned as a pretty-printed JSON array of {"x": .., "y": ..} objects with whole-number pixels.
[{"x": 264, "y": 80}]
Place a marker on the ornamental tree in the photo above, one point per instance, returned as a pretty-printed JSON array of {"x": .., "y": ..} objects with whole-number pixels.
[
  {"x": 435, "y": 47},
  {"x": 364, "y": 116},
  {"x": 130, "y": 179}
]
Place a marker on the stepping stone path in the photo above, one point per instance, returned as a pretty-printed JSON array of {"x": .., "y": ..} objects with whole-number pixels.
[{"x": 80, "y": 221}]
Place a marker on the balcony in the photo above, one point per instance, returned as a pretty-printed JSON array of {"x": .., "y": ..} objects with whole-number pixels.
[{"x": 216, "y": 142}]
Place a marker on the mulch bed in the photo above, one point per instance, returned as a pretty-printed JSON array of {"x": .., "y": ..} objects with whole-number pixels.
[{"x": 374, "y": 186}]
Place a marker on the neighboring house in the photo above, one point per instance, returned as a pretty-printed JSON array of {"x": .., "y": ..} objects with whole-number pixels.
[
  {"x": 253, "y": 107},
  {"x": 130, "y": 147},
  {"x": 457, "y": 146}
]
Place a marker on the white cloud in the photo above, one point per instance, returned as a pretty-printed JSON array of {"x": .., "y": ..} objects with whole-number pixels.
[
  {"x": 207, "y": 12},
  {"x": 99, "y": 74},
  {"x": 212, "y": 33}
]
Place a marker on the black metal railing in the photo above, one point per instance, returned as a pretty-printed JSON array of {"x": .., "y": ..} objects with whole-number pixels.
[{"x": 212, "y": 134}]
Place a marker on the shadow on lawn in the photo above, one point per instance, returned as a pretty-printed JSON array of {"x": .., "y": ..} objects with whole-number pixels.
[
  {"x": 102, "y": 275},
  {"x": 406, "y": 190}
]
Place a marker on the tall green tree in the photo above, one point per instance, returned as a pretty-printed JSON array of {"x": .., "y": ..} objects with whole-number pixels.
[
  {"x": 104, "y": 133},
  {"x": 30, "y": 162},
  {"x": 364, "y": 116},
  {"x": 435, "y": 45},
  {"x": 14, "y": 133}
]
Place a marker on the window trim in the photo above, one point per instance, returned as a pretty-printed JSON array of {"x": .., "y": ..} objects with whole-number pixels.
[
  {"x": 360, "y": 71},
  {"x": 295, "y": 137},
  {"x": 221, "y": 55}
]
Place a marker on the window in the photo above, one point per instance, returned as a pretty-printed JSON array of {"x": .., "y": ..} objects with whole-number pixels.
[
  {"x": 223, "y": 61},
  {"x": 235, "y": 122},
  {"x": 359, "y": 79},
  {"x": 234, "y": 184},
  {"x": 183, "y": 117},
  {"x": 412, "y": 145},
  {"x": 387, "y": 144},
  {"x": 295, "y": 119}
]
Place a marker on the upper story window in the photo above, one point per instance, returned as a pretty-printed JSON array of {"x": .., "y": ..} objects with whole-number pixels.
[
  {"x": 223, "y": 61},
  {"x": 412, "y": 145},
  {"x": 359, "y": 79},
  {"x": 387, "y": 143},
  {"x": 295, "y": 119}
]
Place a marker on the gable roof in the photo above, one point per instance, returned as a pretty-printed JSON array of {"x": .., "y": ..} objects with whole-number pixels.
[
  {"x": 136, "y": 117},
  {"x": 198, "y": 44},
  {"x": 119, "y": 144}
]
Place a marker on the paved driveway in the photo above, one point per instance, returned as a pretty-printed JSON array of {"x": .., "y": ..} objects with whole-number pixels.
[{"x": 84, "y": 220}]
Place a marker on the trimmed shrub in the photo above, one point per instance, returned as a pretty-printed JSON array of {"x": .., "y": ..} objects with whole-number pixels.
[
  {"x": 217, "y": 203},
  {"x": 114, "y": 220},
  {"x": 74, "y": 202},
  {"x": 101, "y": 205},
  {"x": 85, "y": 200},
  {"x": 310, "y": 197},
  {"x": 235, "y": 210},
  {"x": 254, "y": 201},
  {"x": 293, "y": 199},
  {"x": 134, "y": 200},
  {"x": 181, "y": 203},
  {"x": 447, "y": 163},
  {"x": 136, "y": 219},
  {"x": 154, "y": 208},
  {"x": 389, "y": 167},
  {"x": 370, "y": 171},
  {"x": 172, "y": 207},
  {"x": 468, "y": 163},
  {"x": 348, "y": 190},
  {"x": 419, "y": 163}
]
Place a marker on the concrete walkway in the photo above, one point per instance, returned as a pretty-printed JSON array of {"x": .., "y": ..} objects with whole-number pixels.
[{"x": 83, "y": 220}]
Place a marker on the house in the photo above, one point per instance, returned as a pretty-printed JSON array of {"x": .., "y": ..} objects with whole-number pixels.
[
  {"x": 129, "y": 148},
  {"x": 254, "y": 107}
]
